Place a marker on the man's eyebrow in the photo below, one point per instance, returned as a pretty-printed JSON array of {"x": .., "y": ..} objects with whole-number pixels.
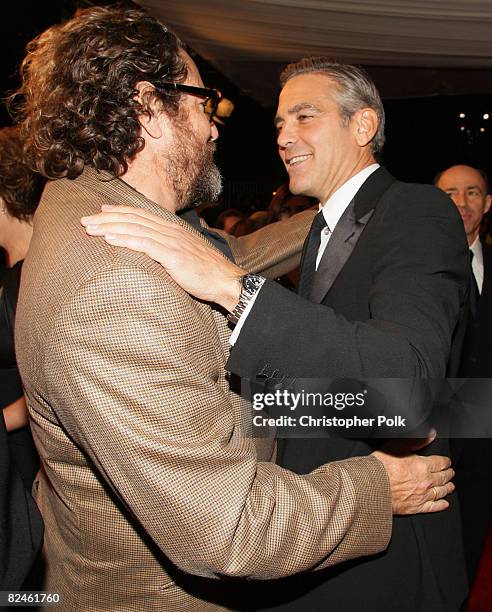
[
  {"x": 467, "y": 187},
  {"x": 295, "y": 109}
]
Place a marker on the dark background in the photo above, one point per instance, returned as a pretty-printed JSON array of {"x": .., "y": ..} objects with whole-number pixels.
[{"x": 423, "y": 134}]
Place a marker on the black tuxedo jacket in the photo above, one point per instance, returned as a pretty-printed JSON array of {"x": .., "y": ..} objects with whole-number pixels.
[{"x": 390, "y": 306}]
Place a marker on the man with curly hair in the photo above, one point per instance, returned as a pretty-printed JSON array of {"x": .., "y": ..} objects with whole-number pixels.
[{"x": 148, "y": 477}]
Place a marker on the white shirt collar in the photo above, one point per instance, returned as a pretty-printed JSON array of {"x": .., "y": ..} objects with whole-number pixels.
[
  {"x": 477, "y": 262},
  {"x": 336, "y": 204}
]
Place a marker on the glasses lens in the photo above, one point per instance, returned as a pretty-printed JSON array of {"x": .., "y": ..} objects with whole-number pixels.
[{"x": 211, "y": 105}]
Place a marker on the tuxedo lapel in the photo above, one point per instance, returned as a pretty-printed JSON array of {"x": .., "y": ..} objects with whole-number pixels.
[
  {"x": 348, "y": 231},
  {"x": 341, "y": 244},
  {"x": 302, "y": 263}
]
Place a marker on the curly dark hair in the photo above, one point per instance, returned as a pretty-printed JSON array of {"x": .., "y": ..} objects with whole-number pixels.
[
  {"x": 20, "y": 187},
  {"x": 77, "y": 103}
]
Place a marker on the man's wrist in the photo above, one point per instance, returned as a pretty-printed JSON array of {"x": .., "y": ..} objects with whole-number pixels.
[
  {"x": 250, "y": 285},
  {"x": 232, "y": 293}
]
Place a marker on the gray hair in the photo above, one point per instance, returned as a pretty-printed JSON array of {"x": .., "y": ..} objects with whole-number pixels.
[{"x": 355, "y": 90}]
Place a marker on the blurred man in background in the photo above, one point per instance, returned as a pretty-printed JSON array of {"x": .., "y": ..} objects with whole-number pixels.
[{"x": 468, "y": 187}]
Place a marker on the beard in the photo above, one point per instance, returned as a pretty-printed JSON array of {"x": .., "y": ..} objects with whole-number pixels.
[{"x": 193, "y": 174}]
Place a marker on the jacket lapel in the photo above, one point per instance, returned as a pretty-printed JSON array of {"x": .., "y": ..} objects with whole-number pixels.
[
  {"x": 348, "y": 231},
  {"x": 341, "y": 244}
]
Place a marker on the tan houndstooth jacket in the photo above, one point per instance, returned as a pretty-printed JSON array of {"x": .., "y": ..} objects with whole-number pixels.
[{"x": 147, "y": 476}]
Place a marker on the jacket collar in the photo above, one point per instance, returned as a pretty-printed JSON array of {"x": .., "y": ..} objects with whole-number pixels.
[
  {"x": 121, "y": 192},
  {"x": 371, "y": 192}
]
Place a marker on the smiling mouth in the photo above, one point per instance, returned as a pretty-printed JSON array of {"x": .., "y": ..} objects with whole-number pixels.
[{"x": 298, "y": 159}]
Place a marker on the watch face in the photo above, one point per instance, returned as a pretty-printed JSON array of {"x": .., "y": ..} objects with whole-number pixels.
[{"x": 251, "y": 282}]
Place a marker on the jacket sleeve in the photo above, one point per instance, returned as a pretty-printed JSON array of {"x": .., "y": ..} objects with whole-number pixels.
[
  {"x": 273, "y": 250},
  {"x": 135, "y": 387}
]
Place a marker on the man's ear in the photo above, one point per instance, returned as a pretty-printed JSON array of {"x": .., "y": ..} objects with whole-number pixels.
[
  {"x": 365, "y": 125},
  {"x": 150, "y": 117},
  {"x": 488, "y": 201}
]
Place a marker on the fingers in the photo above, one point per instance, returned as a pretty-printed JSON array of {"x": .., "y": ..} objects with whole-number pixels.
[
  {"x": 137, "y": 238},
  {"x": 97, "y": 225},
  {"x": 436, "y": 501},
  {"x": 439, "y": 492},
  {"x": 437, "y": 463},
  {"x": 435, "y": 506},
  {"x": 439, "y": 487},
  {"x": 125, "y": 214},
  {"x": 142, "y": 238},
  {"x": 142, "y": 245},
  {"x": 167, "y": 257},
  {"x": 441, "y": 478},
  {"x": 129, "y": 229}
]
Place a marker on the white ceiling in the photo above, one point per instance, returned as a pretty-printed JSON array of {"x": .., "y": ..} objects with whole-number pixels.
[{"x": 443, "y": 46}]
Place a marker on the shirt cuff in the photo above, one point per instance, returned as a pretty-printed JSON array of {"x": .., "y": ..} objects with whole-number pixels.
[{"x": 242, "y": 319}]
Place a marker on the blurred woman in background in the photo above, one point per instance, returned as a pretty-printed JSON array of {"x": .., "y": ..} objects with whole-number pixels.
[
  {"x": 21, "y": 528},
  {"x": 20, "y": 190}
]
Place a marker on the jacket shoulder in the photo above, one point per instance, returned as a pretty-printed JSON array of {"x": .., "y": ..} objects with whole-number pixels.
[{"x": 415, "y": 200}]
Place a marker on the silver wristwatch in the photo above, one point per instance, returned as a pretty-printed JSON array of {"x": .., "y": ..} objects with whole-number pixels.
[{"x": 250, "y": 285}]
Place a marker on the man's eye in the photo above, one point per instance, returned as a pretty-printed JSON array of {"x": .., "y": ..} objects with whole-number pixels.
[
  {"x": 474, "y": 193},
  {"x": 304, "y": 117}
]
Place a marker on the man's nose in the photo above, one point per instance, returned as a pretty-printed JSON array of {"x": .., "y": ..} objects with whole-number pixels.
[
  {"x": 459, "y": 200},
  {"x": 286, "y": 137}
]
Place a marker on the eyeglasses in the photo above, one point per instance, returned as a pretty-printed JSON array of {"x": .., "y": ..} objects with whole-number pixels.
[{"x": 212, "y": 96}]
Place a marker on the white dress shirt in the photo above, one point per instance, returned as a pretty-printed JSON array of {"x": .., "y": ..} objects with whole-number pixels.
[
  {"x": 332, "y": 209},
  {"x": 477, "y": 262},
  {"x": 337, "y": 203}
]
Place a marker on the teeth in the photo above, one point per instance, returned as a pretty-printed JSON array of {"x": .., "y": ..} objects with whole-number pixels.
[{"x": 297, "y": 159}]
